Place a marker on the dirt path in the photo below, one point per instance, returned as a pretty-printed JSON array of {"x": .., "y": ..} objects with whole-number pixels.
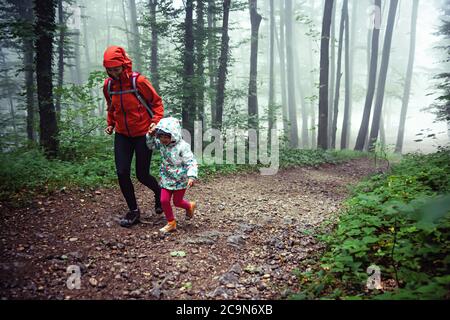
[{"x": 249, "y": 233}]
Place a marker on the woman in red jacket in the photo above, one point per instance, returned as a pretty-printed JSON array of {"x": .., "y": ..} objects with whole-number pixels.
[{"x": 133, "y": 110}]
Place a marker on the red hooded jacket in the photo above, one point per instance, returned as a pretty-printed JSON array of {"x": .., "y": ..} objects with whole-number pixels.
[{"x": 125, "y": 113}]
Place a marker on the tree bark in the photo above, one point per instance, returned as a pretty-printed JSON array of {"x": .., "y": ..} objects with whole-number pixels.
[
  {"x": 290, "y": 76},
  {"x": 322, "y": 139},
  {"x": 188, "y": 108},
  {"x": 362, "y": 134},
  {"x": 136, "y": 50},
  {"x": 337, "y": 91},
  {"x": 45, "y": 29},
  {"x": 255, "y": 19},
  {"x": 281, "y": 49},
  {"x": 62, "y": 33},
  {"x": 212, "y": 57},
  {"x": 408, "y": 79},
  {"x": 346, "y": 120},
  {"x": 124, "y": 15},
  {"x": 383, "y": 75},
  {"x": 332, "y": 74},
  {"x": 26, "y": 11},
  {"x": 200, "y": 61},
  {"x": 223, "y": 64},
  {"x": 154, "y": 64},
  {"x": 271, "y": 104}
]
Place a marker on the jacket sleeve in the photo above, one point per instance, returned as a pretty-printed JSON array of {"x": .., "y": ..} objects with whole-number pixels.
[
  {"x": 152, "y": 142},
  {"x": 110, "y": 114},
  {"x": 189, "y": 161},
  {"x": 150, "y": 94}
]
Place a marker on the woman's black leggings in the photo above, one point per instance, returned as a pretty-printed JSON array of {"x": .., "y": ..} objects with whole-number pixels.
[{"x": 124, "y": 148}]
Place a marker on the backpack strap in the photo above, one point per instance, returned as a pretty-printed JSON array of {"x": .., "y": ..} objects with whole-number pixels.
[{"x": 135, "y": 90}]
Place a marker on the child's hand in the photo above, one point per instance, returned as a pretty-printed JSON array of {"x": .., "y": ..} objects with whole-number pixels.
[{"x": 190, "y": 182}]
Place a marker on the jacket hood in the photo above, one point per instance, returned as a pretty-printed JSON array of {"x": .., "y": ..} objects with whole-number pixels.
[
  {"x": 115, "y": 56},
  {"x": 171, "y": 125}
]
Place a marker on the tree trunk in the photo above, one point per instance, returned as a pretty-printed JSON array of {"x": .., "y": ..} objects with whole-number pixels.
[
  {"x": 281, "y": 48},
  {"x": 136, "y": 37},
  {"x": 362, "y": 134},
  {"x": 353, "y": 38},
  {"x": 77, "y": 44},
  {"x": 298, "y": 85},
  {"x": 346, "y": 120},
  {"x": 108, "y": 25},
  {"x": 290, "y": 76},
  {"x": 200, "y": 61},
  {"x": 408, "y": 79},
  {"x": 86, "y": 41},
  {"x": 337, "y": 91},
  {"x": 28, "y": 62},
  {"x": 322, "y": 139},
  {"x": 45, "y": 29},
  {"x": 383, "y": 75},
  {"x": 188, "y": 111},
  {"x": 255, "y": 19},
  {"x": 62, "y": 33},
  {"x": 223, "y": 63},
  {"x": 124, "y": 15},
  {"x": 212, "y": 57},
  {"x": 271, "y": 104},
  {"x": 332, "y": 73},
  {"x": 154, "y": 67}
]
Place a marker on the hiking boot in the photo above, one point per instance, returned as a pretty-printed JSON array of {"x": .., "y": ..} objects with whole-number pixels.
[
  {"x": 190, "y": 211},
  {"x": 158, "y": 210},
  {"x": 131, "y": 218},
  {"x": 169, "y": 227}
]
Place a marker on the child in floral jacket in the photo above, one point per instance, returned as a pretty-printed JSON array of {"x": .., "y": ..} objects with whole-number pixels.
[{"x": 179, "y": 169}]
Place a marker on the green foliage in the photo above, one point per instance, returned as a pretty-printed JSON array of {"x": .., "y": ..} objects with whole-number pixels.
[
  {"x": 24, "y": 173},
  {"x": 400, "y": 222},
  {"x": 81, "y": 129},
  {"x": 90, "y": 164}
]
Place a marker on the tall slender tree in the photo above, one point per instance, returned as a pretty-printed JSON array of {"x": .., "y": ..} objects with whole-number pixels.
[
  {"x": 363, "y": 129},
  {"x": 212, "y": 56},
  {"x": 62, "y": 34},
  {"x": 223, "y": 65},
  {"x": 322, "y": 139},
  {"x": 45, "y": 29},
  {"x": 282, "y": 55},
  {"x": 189, "y": 97},
  {"x": 154, "y": 63},
  {"x": 408, "y": 79},
  {"x": 332, "y": 73},
  {"x": 346, "y": 120},
  {"x": 271, "y": 104},
  {"x": 337, "y": 91},
  {"x": 136, "y": 50},
  {"x": 255, "y": 19},
  {"x": 290, "y": 75},
  {"x": 383, "y": 74},
  {"x": 200, "y": 60}
]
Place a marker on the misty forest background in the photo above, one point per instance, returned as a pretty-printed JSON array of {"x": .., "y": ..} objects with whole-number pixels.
[{"x": 318, "y": 71}]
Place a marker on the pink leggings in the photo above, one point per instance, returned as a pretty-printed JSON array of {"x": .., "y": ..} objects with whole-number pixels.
[{"x": 178, "y": 201}]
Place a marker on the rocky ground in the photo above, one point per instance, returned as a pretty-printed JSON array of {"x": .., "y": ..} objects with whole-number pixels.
[{"x": 249, "y": 234}]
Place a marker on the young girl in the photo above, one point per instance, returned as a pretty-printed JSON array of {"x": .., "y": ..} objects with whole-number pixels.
[{"x": 178, "y": 169}]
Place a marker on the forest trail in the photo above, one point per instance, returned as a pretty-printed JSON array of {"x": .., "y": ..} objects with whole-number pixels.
[{"x": 249, "y": 233}]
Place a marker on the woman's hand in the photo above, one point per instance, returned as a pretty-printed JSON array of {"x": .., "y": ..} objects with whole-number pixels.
[
  {"x": 109, "y": 130},
  {"x": 190, "y": 182},
  {"x": 152, "y": 128}
]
